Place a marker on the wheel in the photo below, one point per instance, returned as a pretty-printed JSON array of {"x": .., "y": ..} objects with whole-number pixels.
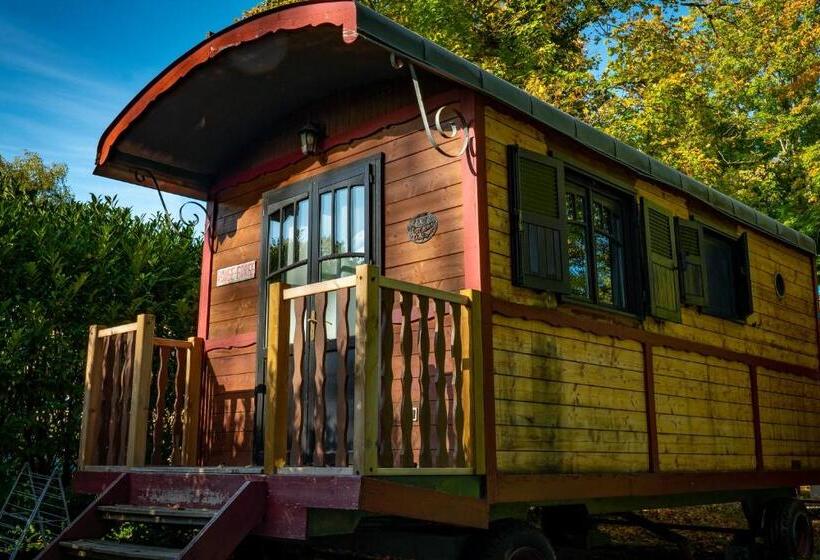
[
  {"x": 787, "y": 530},
  {"x": 514, "y": 540}
]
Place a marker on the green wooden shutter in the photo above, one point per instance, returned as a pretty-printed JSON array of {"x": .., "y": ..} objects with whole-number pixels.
[
  {"x": 691, "y": 268},
  {"x": 539, "y": 221},
  {"x": 743, "y": 288},
  {"x": 659, "y": 236}
]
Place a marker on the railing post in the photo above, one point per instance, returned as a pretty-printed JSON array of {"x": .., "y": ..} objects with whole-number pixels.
[
  {"x": 473, "y": 389},
  {"x": 140, "y": 391},
  {"x": 192, "y": 408},
  {"x": 90, "y": 431},
  {"x": 366, "y": 382},
  {"x": 276, "y": 378}
]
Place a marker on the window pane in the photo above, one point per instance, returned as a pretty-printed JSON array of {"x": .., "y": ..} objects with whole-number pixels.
[
  {"x": 302, "y": 221},
  {"x": 578, "y": 268},
  {"x": 358, "y": 211},
  {"x": 720, "y": 282},
  {"x": 603, "y": 268},
  {"x": 576, "y": 207},
  {"x": 297, "y": 276},
  {"x": 326, "y": 225},
  {"x": 274, "y": 241},
  {"x": 609, "y": 268},
  {"x": 340, "y": 219},
  {"x": 287, "y": 235}
]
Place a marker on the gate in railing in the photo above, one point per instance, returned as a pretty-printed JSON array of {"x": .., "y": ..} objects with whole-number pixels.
[
  {"x": 375, "y": 374},
  {"x": 127, "y": 397}
]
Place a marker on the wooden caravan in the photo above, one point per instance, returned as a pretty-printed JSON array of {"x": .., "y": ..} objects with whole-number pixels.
[{"x": 429, "y": 296}]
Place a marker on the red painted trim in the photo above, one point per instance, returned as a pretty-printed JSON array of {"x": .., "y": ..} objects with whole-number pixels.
[
  {"x": 206, "y": 270},
  {"x": 534, "y": 488},
  {"x": 361, "y": 132},
  {"x": 559, "y": 318},
  {"x": 477, "y": 262},
  {"x": 474, "y": 198},
  {"x": 340, "y": 13},
  {"x": 756, "y": 418},
  {"x": 651, "y": 416},
  {"x": 230, "y": 342},
  {"x": 231, "y": 524}
]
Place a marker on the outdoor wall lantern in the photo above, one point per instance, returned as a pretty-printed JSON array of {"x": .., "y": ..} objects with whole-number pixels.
[{"x": 309, "y": 138}]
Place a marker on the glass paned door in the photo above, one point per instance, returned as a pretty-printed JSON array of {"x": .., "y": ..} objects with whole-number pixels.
[{"x": 318, "y": 230}]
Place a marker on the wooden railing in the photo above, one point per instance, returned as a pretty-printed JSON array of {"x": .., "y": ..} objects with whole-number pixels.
[
  {"x": 127, "y": 398},
  {"x": 373, "y": 374}
]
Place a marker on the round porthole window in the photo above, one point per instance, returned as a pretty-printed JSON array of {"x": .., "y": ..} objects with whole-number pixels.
[{"x": 779, "y": 285}]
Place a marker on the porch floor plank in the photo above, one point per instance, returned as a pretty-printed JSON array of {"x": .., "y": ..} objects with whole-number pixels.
[{"x": 92, "y": 548}]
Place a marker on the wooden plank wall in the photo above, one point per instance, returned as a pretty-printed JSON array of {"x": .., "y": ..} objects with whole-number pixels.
[
  {"x": 572, "y": 402},
  {"x": 416, "y": 179},
  {"x": 567, "y": 401},
  {"x": 790, "y": 421}
]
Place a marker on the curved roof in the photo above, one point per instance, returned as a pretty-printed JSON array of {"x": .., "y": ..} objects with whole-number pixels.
[{"x": 348, "y": 59}]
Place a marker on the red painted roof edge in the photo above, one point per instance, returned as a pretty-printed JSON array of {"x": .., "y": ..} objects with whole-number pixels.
[{"x": 341, "y": 13}]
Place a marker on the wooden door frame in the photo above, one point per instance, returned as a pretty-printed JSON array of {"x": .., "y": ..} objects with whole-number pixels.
[{"x": 373, "y": 168}]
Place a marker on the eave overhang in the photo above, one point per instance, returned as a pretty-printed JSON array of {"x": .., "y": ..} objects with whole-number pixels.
[{"x": 160, "y": 129}]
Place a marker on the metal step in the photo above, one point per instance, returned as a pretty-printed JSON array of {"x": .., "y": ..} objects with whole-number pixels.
[
  {"x": 153, "y": 514},
  {"x": 109, "y": 550}
]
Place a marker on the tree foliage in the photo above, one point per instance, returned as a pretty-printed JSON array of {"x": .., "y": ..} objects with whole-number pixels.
[
  {"x": 66, "y": 265},
  {"x": 728, "y": 91}
]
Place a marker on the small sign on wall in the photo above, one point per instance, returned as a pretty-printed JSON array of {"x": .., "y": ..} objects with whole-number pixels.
[{"x": 236, "y": 273}]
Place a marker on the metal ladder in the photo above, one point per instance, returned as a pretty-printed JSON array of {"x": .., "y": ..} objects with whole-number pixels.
[{"x": 36, "y": 501}]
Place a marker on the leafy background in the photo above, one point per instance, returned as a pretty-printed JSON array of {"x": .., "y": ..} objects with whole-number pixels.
[{"x": 66, "y": 265}]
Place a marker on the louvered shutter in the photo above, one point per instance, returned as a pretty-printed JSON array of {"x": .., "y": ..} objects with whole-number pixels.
[
  {"x": 659, "y": 236},
  {"x": 691, "y": 269},
  {"x": 743, "y": 288},
  {"x": 539, "y": 224}
]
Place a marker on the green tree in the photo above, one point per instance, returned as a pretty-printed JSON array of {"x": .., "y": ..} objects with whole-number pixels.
[
  {"x": 728, "y": 92},
  {"x": 67, "y": 264}
]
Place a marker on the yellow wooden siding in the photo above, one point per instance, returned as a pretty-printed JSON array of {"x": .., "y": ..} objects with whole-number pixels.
[
  {"x": 780, "y": 328},
  {"x": 704, "y": 413},
  {"x": 556, "y": 413},
  {"x": 789, "y": 420},
  {"x": 571, "y": 402}
]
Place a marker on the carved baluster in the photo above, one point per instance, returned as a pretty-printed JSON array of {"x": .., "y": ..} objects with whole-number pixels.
[
  {"x": 105, "y": 404},
  {"x": 386, "y": 375},
  {"x": 342, "y": 334},
  {"x": 441, "y": 386},
  {"x": 116, "y": 401},
  {"x": 319, "y": 412},
  {"x": 179, "y": 405},
  {"x": 159, "y": 410},
  {"x": 406, "y": 403},
  {"x": 298, "y": 367},
  {"x": 457, "y": 444},
  {"x": 127, "y": 381},
  {"x": 425, "y": 455}
]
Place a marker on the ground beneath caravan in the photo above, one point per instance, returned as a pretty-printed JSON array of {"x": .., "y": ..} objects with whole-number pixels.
[{"x": 628, "y": 543}]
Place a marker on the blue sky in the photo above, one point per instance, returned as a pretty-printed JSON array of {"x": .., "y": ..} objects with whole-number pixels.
[{"x": 67, "y": 67}]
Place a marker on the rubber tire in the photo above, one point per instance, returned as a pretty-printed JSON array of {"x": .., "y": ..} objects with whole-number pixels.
[
  {"x": 511, "y": 540},
  {"x": 787, "y": 530}
]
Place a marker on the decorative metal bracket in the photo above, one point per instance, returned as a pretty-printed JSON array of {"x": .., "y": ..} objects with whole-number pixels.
[
  {"x": 448, "y": 130},
  {"x": 143, "y": 175}
]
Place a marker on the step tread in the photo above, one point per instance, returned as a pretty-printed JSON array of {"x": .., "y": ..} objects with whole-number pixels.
[
  {"x": 155, "y": 511},
  {"x": 93, "y": 548}
]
